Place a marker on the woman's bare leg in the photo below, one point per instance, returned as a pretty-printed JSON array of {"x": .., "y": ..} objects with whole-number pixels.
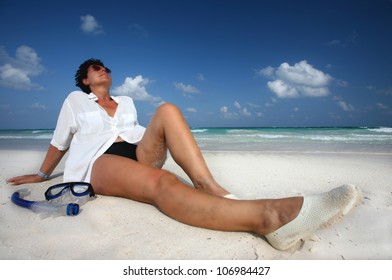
[
  {"x": 117, "y": 176},
  {"x": 169, "y": 130}
]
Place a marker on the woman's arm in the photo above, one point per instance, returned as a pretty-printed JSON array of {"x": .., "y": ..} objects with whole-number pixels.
[{"x": 52, "y": 159}]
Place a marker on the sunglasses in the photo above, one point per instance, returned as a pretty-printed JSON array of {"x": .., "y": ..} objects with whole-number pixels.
[
  {"x": 76, "y": 190},
  {"x": 96, "y": 67}
]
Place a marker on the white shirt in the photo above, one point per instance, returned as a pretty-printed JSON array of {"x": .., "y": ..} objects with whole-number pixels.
[{"x": 86, "y": 129}]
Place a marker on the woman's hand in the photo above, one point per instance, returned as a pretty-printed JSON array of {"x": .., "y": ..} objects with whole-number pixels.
[{"x": 32, "y": 178}]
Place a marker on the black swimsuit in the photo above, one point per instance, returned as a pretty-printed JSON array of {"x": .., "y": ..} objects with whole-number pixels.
[{"x": 123, "y": 149}]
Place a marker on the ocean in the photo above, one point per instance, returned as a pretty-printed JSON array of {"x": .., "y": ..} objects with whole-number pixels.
[
  {"x": 294, "y": 139},
  {"x": 261, "y": 139}
]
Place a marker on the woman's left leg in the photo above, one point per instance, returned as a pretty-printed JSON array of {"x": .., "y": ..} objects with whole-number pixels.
[
  {"x": 169, "y": 130},
  {"x": 284, "y": 222},
  {"x": 118, "y": 176}
]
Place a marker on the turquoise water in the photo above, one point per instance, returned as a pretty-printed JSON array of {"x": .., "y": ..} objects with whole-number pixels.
[
  {"x": 314, "y": 139},
  {"x": 357, "y": 139},
  {"x": 25, "y": 139}
]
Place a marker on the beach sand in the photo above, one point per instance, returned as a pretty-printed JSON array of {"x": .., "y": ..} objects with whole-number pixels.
[{"x": 111, "y": 228}]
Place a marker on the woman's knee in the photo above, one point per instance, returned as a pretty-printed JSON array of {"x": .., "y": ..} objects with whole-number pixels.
[
  {"x": 168, "y": 109},
  {"x": 161, "y": 186},
  {"x": 164, "y": 182}
]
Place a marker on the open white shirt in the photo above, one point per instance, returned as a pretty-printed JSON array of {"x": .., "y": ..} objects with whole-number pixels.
[{"x": 86, "y": 129}]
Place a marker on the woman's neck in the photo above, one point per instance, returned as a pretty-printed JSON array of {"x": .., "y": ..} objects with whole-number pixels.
[{"x": 102, "y": 93}]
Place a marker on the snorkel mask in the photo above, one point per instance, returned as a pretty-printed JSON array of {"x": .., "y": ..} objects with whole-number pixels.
[{"x": 61, "y": 199}]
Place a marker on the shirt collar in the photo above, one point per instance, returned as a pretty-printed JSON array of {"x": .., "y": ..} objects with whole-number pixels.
[{"x": 93, "y": 97}]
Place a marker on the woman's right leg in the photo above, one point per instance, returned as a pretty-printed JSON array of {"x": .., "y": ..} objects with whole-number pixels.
[{"x": 169, "y": 130}]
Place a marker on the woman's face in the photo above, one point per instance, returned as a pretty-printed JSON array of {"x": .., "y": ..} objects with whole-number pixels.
[{"x": 98, "y": 75}]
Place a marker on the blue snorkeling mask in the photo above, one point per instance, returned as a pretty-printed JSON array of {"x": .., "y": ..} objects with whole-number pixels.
[{"x": 74, "y": 192}]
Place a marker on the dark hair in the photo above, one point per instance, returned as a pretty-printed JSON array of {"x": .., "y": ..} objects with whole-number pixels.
[{"x": 81, "y": 73}]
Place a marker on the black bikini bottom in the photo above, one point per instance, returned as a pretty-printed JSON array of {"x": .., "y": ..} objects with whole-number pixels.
[{"x": 123, "y": 149}]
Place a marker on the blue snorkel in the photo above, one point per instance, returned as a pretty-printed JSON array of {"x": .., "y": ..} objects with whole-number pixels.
[
  {"x": 44, "y": 207},
  {"x": 61, "y": 199}
]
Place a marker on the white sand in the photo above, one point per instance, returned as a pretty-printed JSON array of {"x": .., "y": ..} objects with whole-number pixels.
[{"x": 114, "y": 228}]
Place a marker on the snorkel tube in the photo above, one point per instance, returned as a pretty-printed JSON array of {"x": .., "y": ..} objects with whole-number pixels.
[{"x": 44, "y": 207}]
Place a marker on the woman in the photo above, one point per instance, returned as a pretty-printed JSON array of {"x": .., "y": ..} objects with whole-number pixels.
[{"x": 108, "y": 148}]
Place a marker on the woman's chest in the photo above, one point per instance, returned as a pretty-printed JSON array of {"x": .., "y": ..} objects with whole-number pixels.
[{"x": 113, "y": 118}]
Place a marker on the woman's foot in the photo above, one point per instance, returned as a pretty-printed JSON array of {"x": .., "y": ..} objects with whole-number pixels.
[{"x": 317, "y": 212}]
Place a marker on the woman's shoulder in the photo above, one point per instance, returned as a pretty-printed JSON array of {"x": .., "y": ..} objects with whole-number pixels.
[
  {"x": 77, "y": 99},
  {"x": 77, "y": 94}
]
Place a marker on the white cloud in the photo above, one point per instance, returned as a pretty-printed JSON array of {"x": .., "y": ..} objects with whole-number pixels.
[
  {"x": 272, "y": 103},
  {"x": 334, "y": 43},
  {"x": 191, "y": 110},
  {"x": 241, "y": 110},
  {"x": 252, "y": 105},
  {"x": 345, "y": 106},
  {"x": 381, "y": 106},
  {"x": 224, "y": 109},
  {"x": 17, "y": 72},
  {"x": 237, "y": 105},
  {"x": 138, "y": 30},
  {"x": 90, "y": 25},
  {"x": 200, "y": 77},
  {"x": 349, "y": 40},
  {"x": 266, "y": 72},
  {"x": 38, "y": 106},
  {"x": 234, "y": 115},
  {"x": 341, "y": 83},
  {"x": 187, "y": 89},
  {"x": 245, "y": 112},
  {"x": 227, "y": 114},
  {"x": 387, "y": 91},
  {"x": 384, "y": 91},
  {"x": 282, "y": 89},
  {"x": 136, "y": 88},
  {"x": 14, "y": 78},
  {"x": 300, "y": 80},
  {"x": 302, "y": 73}
]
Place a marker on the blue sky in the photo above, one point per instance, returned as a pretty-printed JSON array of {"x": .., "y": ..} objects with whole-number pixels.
[{"x": 224, "y": 63}]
